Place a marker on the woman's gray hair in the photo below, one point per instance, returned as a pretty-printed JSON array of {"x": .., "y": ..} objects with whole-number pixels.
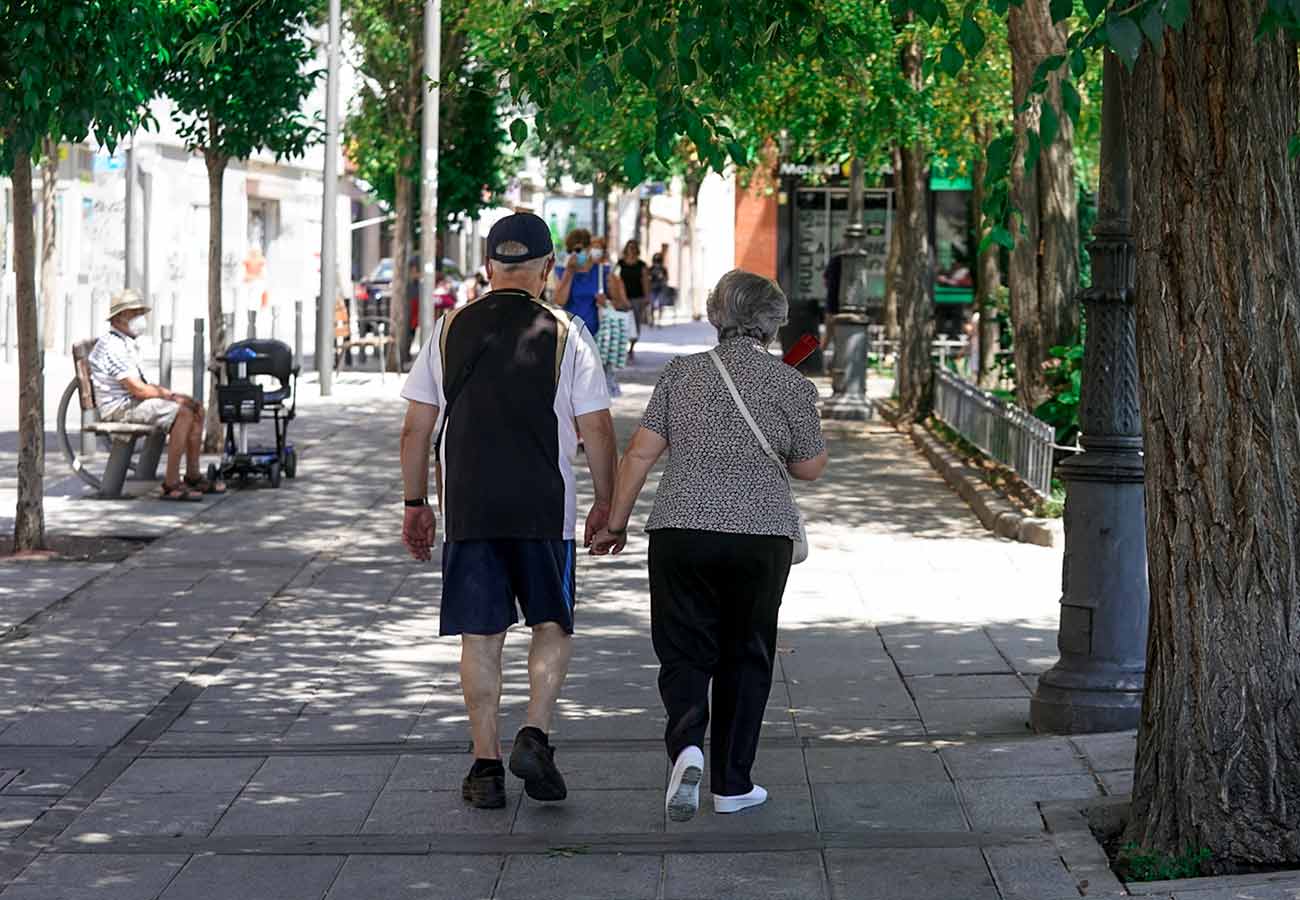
[{"x": 743, "y": 304}]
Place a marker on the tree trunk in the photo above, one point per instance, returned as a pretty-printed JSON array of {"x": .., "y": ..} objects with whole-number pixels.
[
  {"x": 916, "y": 276},
  {"x": 893, "y": 270},
  {"x": 216, "y": 164},
  {"x": 49, "y": 242},
  {"x": 398, "y": 305},
  {"x": 29, "y": 516},
  {"x": 694, "y": 181},
  {"x": 988, "y": 278},
  {"x": 1217, "y": 225},
  {"x": 1044, "y": 271},
  {"x": 915, "y": 305}
]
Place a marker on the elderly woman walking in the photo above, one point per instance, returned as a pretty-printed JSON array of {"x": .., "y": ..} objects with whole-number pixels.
[{"x": 722, "y": 535}]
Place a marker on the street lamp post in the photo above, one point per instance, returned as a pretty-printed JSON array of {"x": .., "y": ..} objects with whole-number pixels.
[
  {"x": 429, "y": 165},
  {"x": 849, "y": 326},
  {"x": 1097, "y": 684},
  {"x": 329, "y": 238}
]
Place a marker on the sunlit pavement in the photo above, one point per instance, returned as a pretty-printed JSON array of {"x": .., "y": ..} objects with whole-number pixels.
[{"x": 256, "y": 704}]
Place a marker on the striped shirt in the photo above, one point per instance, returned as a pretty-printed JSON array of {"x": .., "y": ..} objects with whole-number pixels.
[{"x": 116, "y": 356}]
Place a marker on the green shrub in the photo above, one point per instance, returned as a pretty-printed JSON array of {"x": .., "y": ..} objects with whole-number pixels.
[
  {"x": 1136, "y": 864},
  {"x": 1065, "y": 375}
]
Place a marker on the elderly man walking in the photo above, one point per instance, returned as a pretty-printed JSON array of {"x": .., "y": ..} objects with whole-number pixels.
[
  {"x": 123, "y": 395},
  {"x": 507, "y": 382}
]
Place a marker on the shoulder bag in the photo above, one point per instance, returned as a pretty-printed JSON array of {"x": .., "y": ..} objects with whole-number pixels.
[{"x": 801, "y": 542}]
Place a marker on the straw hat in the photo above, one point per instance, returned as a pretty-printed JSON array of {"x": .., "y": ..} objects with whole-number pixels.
[{"x": 126, "y": 300}]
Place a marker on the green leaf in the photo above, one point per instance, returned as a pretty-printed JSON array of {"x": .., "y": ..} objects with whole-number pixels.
[
  {"x": 1095, "y": 7},
  {"x": 519, "y": 131},
  {"x": 1293, "y": 146},
  {"x": 1002, "y": 237},
  {"x": 951, "y": 60},
  {"x": 1153, "y": 26},
  {"x": 638, "y": 63},
  {"x": 1175, "y": 14},
  {"x": 1070, "y": 101},
  {"x": 521, "y": 44},
  {"x": 1033, "y": 150},
  {"x": 1047, "y": 67},
  {"x": 1061, "y": 9},
  {"x": 999, "y": 155},
  {"x": 1078, "y": 63},
  {"x": 1125, "y": 38},
  {"x": 1049, "y": 124},
  {"x": 972, "y": 36},
  {"x": 738, "y": 154},
  {"x": 634, "y": 167}
]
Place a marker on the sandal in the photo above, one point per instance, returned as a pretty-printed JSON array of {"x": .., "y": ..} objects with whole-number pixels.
[
  {"x": 203, "y": 486},
  {"x": 179, "y": 493}
]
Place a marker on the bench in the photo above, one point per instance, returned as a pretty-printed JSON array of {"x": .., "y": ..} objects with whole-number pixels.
[
  {"x": 379, "y": 340},
  {"x": 122, "y": 436}
]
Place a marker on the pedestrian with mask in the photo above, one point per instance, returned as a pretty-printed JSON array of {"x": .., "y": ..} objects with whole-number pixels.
[
  {"x": 722, "y": 534},
  {"x": 581, "y": 278},
  {"x": 634, "y": 276},
  {"x": 505, "y": 382}
]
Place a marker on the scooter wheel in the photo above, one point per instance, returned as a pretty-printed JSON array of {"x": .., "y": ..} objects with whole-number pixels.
[
  {"x": 291, "y": 463},
  {"x": 213, "y": 474},
  {"x": 273, "y": 472}
]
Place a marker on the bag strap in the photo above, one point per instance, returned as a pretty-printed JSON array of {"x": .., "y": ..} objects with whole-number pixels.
[{"x": 749, "y": 419}]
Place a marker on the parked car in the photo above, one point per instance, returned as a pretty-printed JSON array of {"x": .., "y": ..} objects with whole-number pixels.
[{"x": 374, "y": 294}]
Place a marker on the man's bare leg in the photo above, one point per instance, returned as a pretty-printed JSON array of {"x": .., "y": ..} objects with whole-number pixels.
[
  {"x": 178, "y": 440},
  {"x": 548, "y": 663},
  {"x": 480, "y": 680},
  {"x": 193, "y": 446}
]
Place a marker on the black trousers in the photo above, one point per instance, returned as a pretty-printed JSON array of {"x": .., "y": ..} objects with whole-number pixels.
[{"x": 714, "y": 599}]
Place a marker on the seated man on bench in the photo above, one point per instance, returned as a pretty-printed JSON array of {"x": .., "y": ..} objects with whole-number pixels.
[{"x": 122, "y": 395}]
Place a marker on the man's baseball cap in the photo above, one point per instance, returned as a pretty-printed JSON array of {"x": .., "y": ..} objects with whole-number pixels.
[{"x": 525, "y": 229}]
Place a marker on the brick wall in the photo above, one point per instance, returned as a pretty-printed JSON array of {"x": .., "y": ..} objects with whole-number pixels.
[{"x": 756, "y": 227}]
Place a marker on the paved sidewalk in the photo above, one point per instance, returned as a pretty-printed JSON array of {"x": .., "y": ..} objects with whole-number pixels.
[{"x": 256, "y": 705}]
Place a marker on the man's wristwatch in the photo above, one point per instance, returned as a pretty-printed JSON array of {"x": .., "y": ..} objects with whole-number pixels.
[{"x": 417, "y": 502}]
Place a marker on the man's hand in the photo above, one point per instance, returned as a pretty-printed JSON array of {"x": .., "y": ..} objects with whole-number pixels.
[
  {"x": 606, "y": 543},
  {"x": 419, "y": 527},
  {"x": 597, "y": 519}
]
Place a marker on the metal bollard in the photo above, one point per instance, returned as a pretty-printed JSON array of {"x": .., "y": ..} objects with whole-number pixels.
[
  {"x": 8, "y": 329},
  {"x": 67, "y": 322},
  {"x": 252, "y": 324},
  {"x": 200, "y": 355},
  {"x": 275, "y": 323},
  {"x": 165, "y": 355},
  {"x": 297, "y": 333}
]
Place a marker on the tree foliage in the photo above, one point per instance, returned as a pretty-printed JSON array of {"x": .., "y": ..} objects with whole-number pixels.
[{"x": 246, "y": 92}]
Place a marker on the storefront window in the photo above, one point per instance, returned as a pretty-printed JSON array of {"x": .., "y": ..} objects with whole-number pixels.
[{"x": 821, "y": 218}]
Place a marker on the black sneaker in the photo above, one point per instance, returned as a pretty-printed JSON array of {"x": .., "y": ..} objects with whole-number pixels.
[
  {"x": 532, "y": 759},
  {"x": 485, "y": 787}
]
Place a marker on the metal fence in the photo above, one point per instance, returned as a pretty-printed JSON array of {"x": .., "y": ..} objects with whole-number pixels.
[{"x": 1006, "y": 433}]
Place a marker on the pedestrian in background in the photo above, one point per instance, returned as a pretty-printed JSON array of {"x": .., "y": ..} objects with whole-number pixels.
[
  {"x": 658, "y": 288},
  {"x": 581, "y": 277},
  {"x": 508, "y": 379},
  {"x": 634, "y": 276},
  {"x": 616, "y": 321},
  {"x": 722, "y": 535}
]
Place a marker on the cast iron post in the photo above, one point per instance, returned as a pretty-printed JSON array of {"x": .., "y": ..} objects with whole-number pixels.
[
  {"x": 1097, "y": 684},
  {"x": 849, "y": 326}
]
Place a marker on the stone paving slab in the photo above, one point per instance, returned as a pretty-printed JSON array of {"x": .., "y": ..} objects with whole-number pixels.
[
  {"x": 932, "y": 874},
  {"x": 744, "y": 876},
  {"x": 1030, "y": 873},
  {"x": 1006, "y": 804},
  {"x": 297, "y": 812},
  {"x": 425, "y": 812},
  {"x": 416, "y": 878},
  {"x": 61, "y": 876},
  {"x": 254, "y": 878},
  {"x": 895, "y": 807},
  {"x": 580, "y": 876}
]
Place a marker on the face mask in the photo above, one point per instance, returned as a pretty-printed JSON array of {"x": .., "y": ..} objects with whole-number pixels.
[
  {"x": 597, "y": 253},
  {"x": 580, "y": 257},
  {"x": 137, "y": 325}
]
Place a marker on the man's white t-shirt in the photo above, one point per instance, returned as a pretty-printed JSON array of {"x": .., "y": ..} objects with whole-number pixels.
[{"x": 522, "y": 372}]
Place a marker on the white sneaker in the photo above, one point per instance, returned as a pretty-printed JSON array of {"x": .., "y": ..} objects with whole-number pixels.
[
  {"x": 683, "y": 798},
  {"x": 756, "y": 797}
]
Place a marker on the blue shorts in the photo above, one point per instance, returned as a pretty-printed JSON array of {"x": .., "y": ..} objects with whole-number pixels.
[{"x": 482, "y": 580}]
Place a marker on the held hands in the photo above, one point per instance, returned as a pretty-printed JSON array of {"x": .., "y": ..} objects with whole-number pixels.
[
  {"x": 606, "y": 543},
  {"x": 597, "y": 519},
  {"x": 419, "y": 527}
]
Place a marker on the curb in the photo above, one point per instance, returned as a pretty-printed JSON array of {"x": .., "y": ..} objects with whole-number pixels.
[{"x": 995, "y": 512}]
